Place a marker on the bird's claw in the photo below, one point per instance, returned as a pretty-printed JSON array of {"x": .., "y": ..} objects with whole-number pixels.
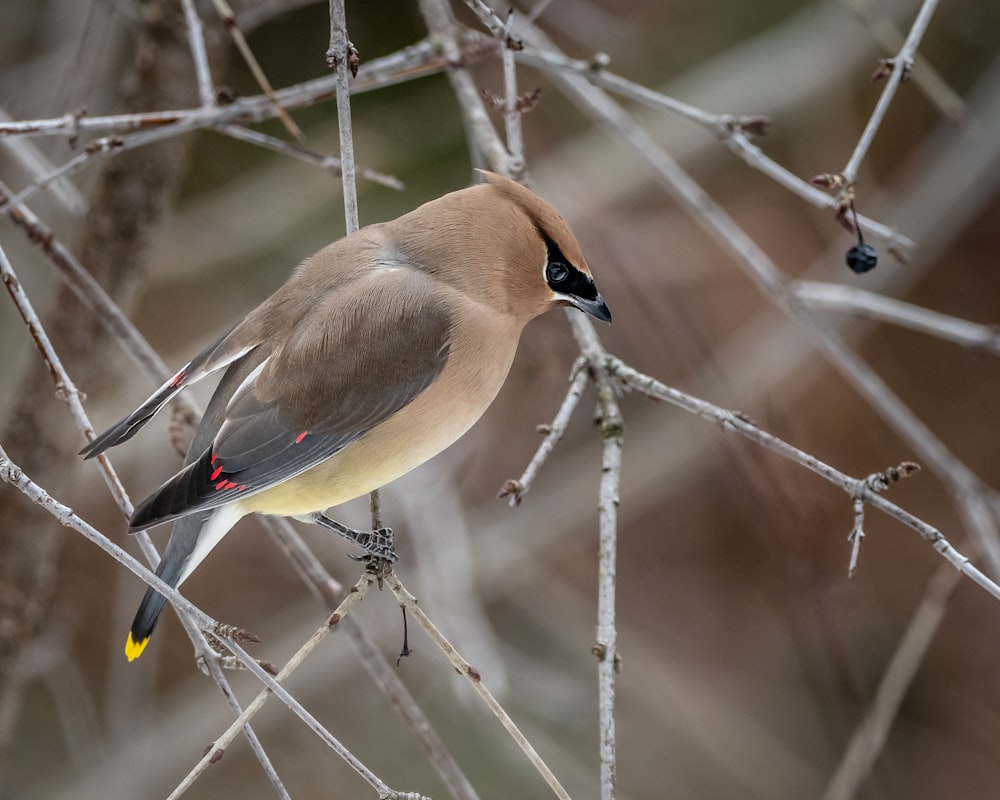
[{"x": 376, "y": 544}]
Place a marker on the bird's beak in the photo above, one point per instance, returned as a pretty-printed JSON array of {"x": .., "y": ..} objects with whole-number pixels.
[{"x": 597, "y": 308}]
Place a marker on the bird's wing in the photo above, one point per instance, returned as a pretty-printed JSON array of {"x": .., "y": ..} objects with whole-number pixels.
[
  {"x": 350, "y": 365},
  {"x": 219, "y": 354}
]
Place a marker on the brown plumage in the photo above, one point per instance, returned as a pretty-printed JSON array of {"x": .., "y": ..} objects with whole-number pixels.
[{"x": 379, "y": 351}]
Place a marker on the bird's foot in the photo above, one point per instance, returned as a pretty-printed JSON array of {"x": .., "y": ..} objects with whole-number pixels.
[{"x": 377, "y": 544}]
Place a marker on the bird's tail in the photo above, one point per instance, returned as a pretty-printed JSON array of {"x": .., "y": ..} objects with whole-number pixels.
[
  {"x": 170, "y": 570},
  {"x": 143, "y": 624},
  {"x": 191, "y": 539}
]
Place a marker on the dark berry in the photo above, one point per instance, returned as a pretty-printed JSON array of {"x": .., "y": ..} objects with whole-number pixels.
[{"x": 862, "y": 257}]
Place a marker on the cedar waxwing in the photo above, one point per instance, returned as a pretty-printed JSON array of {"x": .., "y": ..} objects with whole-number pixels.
[{"x": 378, "y": 352}]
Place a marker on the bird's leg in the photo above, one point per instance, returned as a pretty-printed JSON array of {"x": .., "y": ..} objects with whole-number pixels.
[{"x": 377, "y": 543}]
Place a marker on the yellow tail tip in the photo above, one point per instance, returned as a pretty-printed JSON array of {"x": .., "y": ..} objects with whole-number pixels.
[{"x": 134, "y": 649}]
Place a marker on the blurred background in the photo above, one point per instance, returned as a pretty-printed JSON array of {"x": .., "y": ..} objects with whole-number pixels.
[{"x": 749, "y": 659}]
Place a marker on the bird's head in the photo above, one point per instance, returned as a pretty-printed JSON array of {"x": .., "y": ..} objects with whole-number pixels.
[{"x": 545, "y": 264}]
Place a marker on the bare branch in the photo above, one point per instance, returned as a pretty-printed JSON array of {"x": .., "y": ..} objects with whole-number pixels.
[
  {"x": 196, "y": 39},
  {"x": 880, "y": 25},
  {"x": 470, "y": 673},
  {"x": 12, "y": 474},
  {"x": 902, "y": 63},
  {"x": 387, "y": 679},
  {"x": 342, "y": 57},
  {"x": 517, "y": 489},
  {"x": 479, "y": 127},
  {"x": 732, "y": 131},
  {"x": 411, "y": 62},
  {"x": 734, "y": 421},
  {"x": 218, "y": 747},
  {"x": 870, "y": 736},
  {"x": 871, "y": 305},
  {"x": 35, "y": 162},
  {"x": 305, "y": 154},
  {"x": 608, "y": 661},
  {"x": 229, "y": 20},
  {"x": 512, "y": 111}
]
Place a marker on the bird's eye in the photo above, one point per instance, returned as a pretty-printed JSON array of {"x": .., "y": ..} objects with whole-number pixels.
[{"x": 556, "y": 272}]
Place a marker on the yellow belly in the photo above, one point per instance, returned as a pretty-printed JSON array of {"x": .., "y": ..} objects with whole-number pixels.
[{"x": 377, "y": 458}]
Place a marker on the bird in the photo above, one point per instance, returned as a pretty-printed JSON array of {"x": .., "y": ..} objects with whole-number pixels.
[{"x": 378, "y": 352}]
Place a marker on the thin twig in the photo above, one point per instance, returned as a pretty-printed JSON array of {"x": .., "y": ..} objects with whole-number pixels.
[
  {"x": 902, "y": 64},
  {"x": 753, "y": 156},
  {"x": 375, "y": 508},
  {"x": 105, "y": 146},
  {"x": 876, "y": 482},
  {"x": 517, "y": 489},
  {"x": 856, "y": 536},
  {"x": 466, "y": 670},
  {"x": 384, "y": 791},
  {"x": 111, "y": 145},
  {"x": 479, "y": 127},
  {"x": 196, "y": 39},
  {"x": 343, "y": 58},
  {"x": 65, "y": 388},
  {"x": 387, "y": 679},
  {"x": 489, "y": 18},
  {"x": 214, "y": 669},
  {"x": 512, "y": 112},
  {"x": 294, "y": 150},
  {"x": 880, "y": 25},
  {"x": 595, "y": 71},
  {"x": 155, "y": 126},
  {"x": 229, "y": 20},
  {"x": 316, "y": 727}
]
